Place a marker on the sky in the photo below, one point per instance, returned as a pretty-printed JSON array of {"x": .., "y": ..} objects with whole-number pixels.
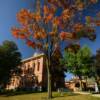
[{"x": 8, "y": 10}]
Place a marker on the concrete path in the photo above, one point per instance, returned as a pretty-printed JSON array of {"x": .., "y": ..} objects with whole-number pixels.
[
  {"x": 96, "y": 95},
  {"x": 87, "y": 93}
]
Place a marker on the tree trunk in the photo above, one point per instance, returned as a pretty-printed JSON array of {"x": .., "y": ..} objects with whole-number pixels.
[
  {"x": 80, "y": 85},
  {"x": 49, "y": 79},
  {"x": 80, "y": 81},
  {"x": 86, "y": 83}
]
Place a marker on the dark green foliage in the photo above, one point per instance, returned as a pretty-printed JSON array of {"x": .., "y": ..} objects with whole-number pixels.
[
  {"x": 97, "y": 62},
  {"x": 10, "y": 58}
]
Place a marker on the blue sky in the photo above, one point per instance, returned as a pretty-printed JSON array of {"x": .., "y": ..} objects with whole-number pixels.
[{"x": 8, "y": 10}]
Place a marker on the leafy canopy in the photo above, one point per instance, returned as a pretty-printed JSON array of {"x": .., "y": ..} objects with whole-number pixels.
[
  {"x": 52, "y": 22},
  {"x": 10, "y": 58},
  {"x": 78, "y": 63}
]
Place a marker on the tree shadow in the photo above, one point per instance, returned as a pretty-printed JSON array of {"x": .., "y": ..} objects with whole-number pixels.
[
  {"x": 66, "y": 94},
  {"x": 8, "y": 94},
  {"x": 60, "y": 96}
]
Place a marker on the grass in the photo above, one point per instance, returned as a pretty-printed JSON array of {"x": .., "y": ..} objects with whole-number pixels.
[{"x": 43, "y": 96}]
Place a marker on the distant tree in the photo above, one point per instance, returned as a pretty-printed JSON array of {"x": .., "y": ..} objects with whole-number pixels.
[
  {"x": 10, "y": 58},
  {"x": 78, "y": 62},
  {"x": 84, "y": 60}
]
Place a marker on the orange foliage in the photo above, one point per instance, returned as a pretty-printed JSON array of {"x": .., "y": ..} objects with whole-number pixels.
[
  {"x": 24, "y": 16},
  {"x": 40, "y": 34},
  {"x": 45, "y": 9},
  {"x": 22, "y": 36},
  {"x": 15, "y": 32},
  {"x": 37, "y": 35},
  {"x": 23, "y": 30},
  {"x": 66, "y": 14},
  {"x": 56, "y": 21},
  {"x": 34, "y": 27},
  {"x": 52, "y": 33},
  {"x": 66, "y": 35},
  {"x": 34, "y": 23},
  {"x": 52, "y": 1},
  {"x": 69, "y": 35},
  {"x": 63, "y": 35},
  {"x": 48, "y": 13},
  {"x": 97, "y": 22},
  {"x": 52, "y": 10},
  {"x": 37, "y": 17},
  {"x": 28, "y": 34},
  {"x": 39, "y": 45},
  {"x": 48, "y": 18},
  {"x": 93, "y": 1},
  {"x": 78, "y": 27},
  {"x": 21, "y": 33},
  {"x": 80, "y": 6},
  {"x": 30, "y": 43},
  {"x": 74, "y": 36},
  {"x": 43, "y": 34}
]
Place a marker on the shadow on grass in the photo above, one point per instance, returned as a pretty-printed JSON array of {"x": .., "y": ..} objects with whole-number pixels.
[
  {"x": 57, "y": 95},
  {"x": 43, "y": 94},
  {"x": 11, "y": 93},
  {"x": 66, "y": 94}
]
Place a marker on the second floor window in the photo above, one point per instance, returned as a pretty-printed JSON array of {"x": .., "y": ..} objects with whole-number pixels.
[
  {"x": 38, "y": 66},
  {"x": 28, "y": 68},
  {"x": 33, "y": 67}
]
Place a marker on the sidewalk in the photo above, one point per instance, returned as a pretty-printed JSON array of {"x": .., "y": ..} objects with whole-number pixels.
[
  {"x": 96, "y": 95},
  {"x": 87, "y": 93}
]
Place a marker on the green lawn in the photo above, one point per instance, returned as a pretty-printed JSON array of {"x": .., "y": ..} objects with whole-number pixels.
[{"x": 42, "y": 96}]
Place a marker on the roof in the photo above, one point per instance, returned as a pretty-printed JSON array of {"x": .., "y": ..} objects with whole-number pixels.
[{"x": 33, "y": 57}]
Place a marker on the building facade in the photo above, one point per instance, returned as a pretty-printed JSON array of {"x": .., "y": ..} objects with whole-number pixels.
[{"x": 32, "y": 74}]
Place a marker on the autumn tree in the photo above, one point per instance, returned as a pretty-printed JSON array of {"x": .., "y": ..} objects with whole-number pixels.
[{"x": 53, "y": 23}]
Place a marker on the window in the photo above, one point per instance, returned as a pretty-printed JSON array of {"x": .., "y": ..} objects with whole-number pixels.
[
  {"x": 28, "y": 68},
  {"x": 38, "y": 66},
  {"x": 33, "y": 67}
]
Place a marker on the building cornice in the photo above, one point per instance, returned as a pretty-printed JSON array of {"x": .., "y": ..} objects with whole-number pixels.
[{"x": 33, "y": 57}]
